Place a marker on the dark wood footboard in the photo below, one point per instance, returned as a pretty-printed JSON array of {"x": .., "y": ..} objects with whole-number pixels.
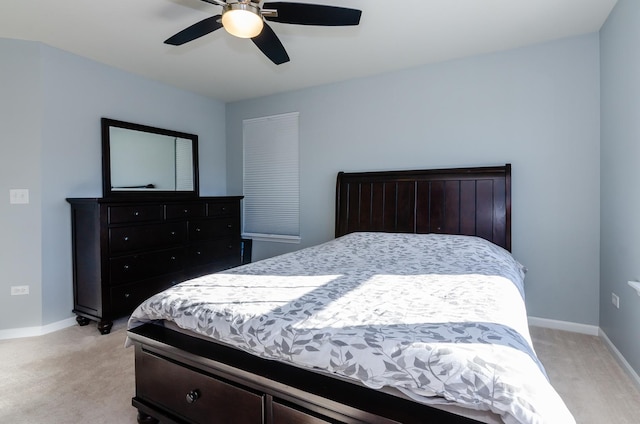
[{"x": 187, "y": 379}]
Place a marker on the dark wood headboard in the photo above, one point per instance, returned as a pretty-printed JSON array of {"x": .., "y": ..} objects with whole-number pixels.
[{"x": 468, "y": 201}]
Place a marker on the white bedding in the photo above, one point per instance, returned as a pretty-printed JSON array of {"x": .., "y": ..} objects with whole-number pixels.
[{"x": 440, "y": 318}]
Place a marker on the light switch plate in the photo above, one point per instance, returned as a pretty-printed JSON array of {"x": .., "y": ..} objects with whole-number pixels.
[
  {"x": 19, "y": 290},
  {"x": 19, "y": 196}
]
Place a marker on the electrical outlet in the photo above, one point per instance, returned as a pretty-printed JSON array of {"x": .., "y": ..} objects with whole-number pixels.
[
  {"x": 19, "y": 290},
  {"x": 615, "y": 300}
]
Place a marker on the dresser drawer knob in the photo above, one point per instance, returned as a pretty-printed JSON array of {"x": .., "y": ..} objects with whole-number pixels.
[
  {"x": 186, "y": 211},
  {"x": 126, "y": 267},
  {"x": 173, "y": 233},
  {"x": 126, "y": 295},
  {"x": 125, "y": 238},
  {"x": 136, "y": 213},
  {"x": 173, "y": 258},
  {"x": 198, "y": 253},
  {"x": 193, "y": 396},
  {"x": 198, "y": 230}
]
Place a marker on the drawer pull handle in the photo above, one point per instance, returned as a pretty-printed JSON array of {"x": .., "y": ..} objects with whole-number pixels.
[
  {"x": 193, "y": 396},
  {"x": 125, "y": 238},
  {"x": 136, "y": 213}
]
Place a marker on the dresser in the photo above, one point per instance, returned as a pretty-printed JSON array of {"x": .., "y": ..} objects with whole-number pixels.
[{"x": 125, "y": 250}]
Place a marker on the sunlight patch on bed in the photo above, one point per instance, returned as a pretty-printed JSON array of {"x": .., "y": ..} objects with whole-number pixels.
[
  {"x": 259, "y": 294},
  {"x": 420, "y": 299}
]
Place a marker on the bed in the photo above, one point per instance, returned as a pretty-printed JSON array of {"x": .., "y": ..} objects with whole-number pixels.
[{"x": 414, "y": 313}]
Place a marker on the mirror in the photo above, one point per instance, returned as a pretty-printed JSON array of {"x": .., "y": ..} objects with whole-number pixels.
[{"x": 138, "y": 160}]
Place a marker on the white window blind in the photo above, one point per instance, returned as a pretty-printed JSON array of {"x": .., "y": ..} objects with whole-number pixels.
[
  {"x": 271, "y": 178},
  {"x": 184, "y": 165}
]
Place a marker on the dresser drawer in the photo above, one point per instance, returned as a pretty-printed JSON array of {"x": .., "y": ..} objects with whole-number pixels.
[
  {"x": 136, "y": 213},
  {"x": 125, "y": 298},
  {"x": 223, "y": 209},
  {"x": 214, "y": 252},
  {"x": 193, "y": 396},
  {"x": 210, "y": 228},
  {"x": 123, "y": 239},
  {"x": 185, "y": 210},
  {"x": 145, "y": 265}
]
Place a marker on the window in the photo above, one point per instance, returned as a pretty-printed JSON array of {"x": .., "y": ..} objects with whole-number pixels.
[{"x": 271, "y": 178}]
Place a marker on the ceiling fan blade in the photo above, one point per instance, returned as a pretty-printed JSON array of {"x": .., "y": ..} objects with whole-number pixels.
[
  {"x": 216, "y": 2},
  {"x": 269, "y": 43},
  {"x": 312, "y": 14},
  {"x": 196, "y": 30}
]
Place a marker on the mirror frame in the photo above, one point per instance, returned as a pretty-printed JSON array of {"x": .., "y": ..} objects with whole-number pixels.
[{"x": 107, "y": 192}]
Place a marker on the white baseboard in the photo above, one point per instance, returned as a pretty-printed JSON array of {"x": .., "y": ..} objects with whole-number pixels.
[
  {"x": 574, "y": 327},
  {"x": 621, "y": 360},
  {"x": 18, "y": 333}
]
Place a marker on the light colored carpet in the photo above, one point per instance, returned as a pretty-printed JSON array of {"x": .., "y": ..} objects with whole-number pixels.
[
  {"x": 593, "y": 385},
  {"x": 76, "y": 376},
  {"x": 70, "y": 376}
]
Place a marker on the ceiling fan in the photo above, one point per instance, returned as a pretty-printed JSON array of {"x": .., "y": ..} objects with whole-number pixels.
[{"x": 246, "y": 19}]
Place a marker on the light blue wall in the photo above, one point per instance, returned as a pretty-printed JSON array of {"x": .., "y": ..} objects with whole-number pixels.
[
  {"x": 54, "y": 101},
  {"x": 20, "y": 155},
  {"x": 535, "y": 107},
  {"x": 620, "y": 182}
]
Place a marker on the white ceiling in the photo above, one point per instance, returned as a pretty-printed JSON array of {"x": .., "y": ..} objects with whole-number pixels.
[{"x": 392, "y": 35}]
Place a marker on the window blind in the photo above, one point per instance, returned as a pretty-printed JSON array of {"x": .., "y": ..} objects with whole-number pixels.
[
  {"x": 271, "y": 178},
  {"x": 184, "y": 165}
]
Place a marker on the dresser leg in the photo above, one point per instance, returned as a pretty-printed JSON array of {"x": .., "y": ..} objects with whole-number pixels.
[
  {"x": 82, "y": 321},
  {"x": 105, "y": 327},
  {"x": 145, "y": 418}
]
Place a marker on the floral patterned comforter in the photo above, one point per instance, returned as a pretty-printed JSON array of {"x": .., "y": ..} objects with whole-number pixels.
[{"x": 440, "y": 318}]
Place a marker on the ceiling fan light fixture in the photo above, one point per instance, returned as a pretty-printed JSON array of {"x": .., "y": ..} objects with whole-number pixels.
[{"x": 242, "y": 20}]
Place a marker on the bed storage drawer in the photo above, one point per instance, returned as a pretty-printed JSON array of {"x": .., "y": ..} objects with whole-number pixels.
[
  {"x": 283, "y": 414},
  {"x": 193, "y": 396}
]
